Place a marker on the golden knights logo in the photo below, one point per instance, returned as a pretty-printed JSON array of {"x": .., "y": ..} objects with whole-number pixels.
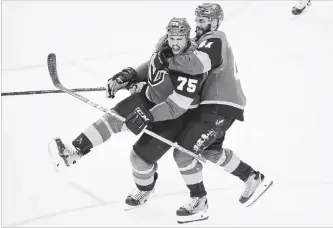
[{"x": 156, "y": 76}]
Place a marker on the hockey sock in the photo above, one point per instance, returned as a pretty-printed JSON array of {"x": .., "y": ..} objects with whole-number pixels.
[
  {"x": 197, "y": 190},
  {"x": 231, "y": 163},
  {"x": 242, "y": 171},
  {"x": 192, "y": 175},
  {"x": 97, "y": 133},
  {"x": 145, "y": 182}
]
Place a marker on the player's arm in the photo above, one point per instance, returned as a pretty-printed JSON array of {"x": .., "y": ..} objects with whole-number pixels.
[
  {"x": 207, "y": 56},
  {"x": 142, "y": 71},
  {"x": 187, "y": 88}
]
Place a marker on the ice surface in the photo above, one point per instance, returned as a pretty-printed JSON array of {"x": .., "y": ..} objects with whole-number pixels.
[{"x": 285, "y": 66}]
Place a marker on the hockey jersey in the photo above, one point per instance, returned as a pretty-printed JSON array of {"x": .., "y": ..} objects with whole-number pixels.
[
  {"x": 222, "y": 85},
  {"x": 175, "y": 88}
]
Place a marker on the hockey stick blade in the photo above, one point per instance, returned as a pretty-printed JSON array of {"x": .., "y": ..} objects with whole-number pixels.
[{"x": 52, "y": 65}]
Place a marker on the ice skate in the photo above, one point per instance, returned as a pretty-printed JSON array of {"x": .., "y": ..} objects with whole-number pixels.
[
  {"x": 301, "y": 6},
  {"x": 137, "y": 198},
  {"x": 62, "y": 155},
  {"x": 194, "y": 210},
  {"x": 256, "y": 185}
]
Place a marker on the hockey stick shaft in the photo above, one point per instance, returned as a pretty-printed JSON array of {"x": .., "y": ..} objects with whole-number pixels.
[
  {"x": 56, "y": 82},
  {"x": 89, "y": 102},
  {"x": 32, "y": 92}
]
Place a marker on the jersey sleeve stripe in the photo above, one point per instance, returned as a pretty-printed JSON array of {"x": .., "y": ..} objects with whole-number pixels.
[
  {"x": 224, "y": 103},
  {"x": 180, "y": 100}
]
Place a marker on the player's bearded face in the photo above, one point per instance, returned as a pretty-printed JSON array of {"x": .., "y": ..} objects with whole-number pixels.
[
  {"x": 202, "y": 25},
  {"x": 177, "y": 43}
]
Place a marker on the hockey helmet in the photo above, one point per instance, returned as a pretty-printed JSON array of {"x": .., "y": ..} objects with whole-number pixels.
[
  {"x": 178, "y": 26},
  {"x": 210, "y": 10}
]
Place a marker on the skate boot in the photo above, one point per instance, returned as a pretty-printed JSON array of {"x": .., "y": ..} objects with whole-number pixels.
[
  {"x": 301, "y": 6},
  {"x": 62, "y": 155},
  {"x": 137, "y": 198},
  {"x": 256, "y": 185},
  {"x": 194, "y": 210}
]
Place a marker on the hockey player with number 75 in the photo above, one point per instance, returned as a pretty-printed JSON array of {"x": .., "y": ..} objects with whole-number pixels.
[{"x": 172, "y": 88}]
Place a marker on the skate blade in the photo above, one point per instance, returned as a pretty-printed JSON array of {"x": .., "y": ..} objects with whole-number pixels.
[
  {"x": 192, "y": 218},
  {"x": 130, "y": 207},
  {"x": 58, "y": 163},
  {"x": 263, "y": 187}
]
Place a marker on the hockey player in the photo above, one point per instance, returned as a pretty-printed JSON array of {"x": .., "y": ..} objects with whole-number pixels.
[
  {"x": 157, "y": 102},
  {"x": 222, "y": 102},
  {"x": 300, "y": 6}
]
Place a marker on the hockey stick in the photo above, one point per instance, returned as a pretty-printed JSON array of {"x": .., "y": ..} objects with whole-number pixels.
[
  {"x": 51, "y": 91},
  {"x": 52, "y": 66}
]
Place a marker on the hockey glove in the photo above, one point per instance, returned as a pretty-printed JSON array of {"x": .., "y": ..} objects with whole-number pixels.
[
  {"x": 161, "y": 43},
  {"x": 165, "y": 53},
  {"x": 120, "y": 81},
  {"x": 163, "y": 50},
  {"x": 136, "y": 87},
  {"x": 138, "y": 119}
]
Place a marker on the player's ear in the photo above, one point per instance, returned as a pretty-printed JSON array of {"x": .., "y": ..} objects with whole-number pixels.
[{"x": 214, "y": 25}]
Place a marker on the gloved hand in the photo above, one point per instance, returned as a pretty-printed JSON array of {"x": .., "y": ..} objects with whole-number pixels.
[
  {"x": 138, "y": 119},
  {"x": 163, "y": 50},
  {"x": 120, "y": 81},
  {"x": 165, "y": 53},
  {"x": 161, "y": 43},
  {"x": 136, "y": 87}
]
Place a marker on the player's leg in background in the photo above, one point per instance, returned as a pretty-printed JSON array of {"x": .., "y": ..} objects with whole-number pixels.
[
  {"x": 95, "y": 134},
  {"x": 301, "y": 6},
  {"x": 226, "y": 158},
  {"x": 255, "y": 183},
  {"x": 144, "y": 156}
]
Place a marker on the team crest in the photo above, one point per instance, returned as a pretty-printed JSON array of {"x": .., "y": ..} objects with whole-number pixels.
[{"x": 155, "y": 76}]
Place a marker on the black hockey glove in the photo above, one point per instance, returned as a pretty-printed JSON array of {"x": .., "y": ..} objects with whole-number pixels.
[
  {"x": 165, "y": 53},
  {"x": 120, "y": 80},
  {"x": 138, "y": 119}
]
